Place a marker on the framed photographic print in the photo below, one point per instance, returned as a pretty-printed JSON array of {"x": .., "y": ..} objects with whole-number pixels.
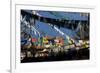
[{"x": 46, "y": 37}]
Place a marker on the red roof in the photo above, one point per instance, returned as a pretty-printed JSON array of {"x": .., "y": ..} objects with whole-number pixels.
[{"x": 34, "y": 39}]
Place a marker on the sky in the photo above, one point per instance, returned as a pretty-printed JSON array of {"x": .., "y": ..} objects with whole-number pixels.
[{"x": 41, "y": 27}]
